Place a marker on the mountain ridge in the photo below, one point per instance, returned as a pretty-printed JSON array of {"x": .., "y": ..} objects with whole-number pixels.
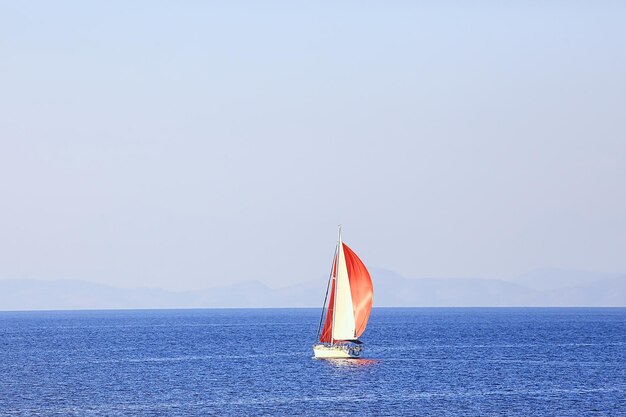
[{"x": 581, "y": 289}]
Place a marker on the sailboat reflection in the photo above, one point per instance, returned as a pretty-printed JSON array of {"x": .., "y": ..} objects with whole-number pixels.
[{"x": 352, "y": 363}]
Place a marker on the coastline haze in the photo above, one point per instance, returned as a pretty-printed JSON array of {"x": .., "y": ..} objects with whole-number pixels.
[{"x": 194, "y": 146}]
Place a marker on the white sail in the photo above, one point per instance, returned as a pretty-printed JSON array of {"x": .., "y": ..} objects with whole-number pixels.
[{"x": 343, "y": 320}]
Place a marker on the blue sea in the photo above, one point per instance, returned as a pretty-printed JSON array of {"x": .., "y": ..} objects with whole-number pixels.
[{"x": 249, "y": 362}]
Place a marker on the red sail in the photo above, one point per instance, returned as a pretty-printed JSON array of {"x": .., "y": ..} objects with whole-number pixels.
[
  {"x": 361, "y": 289},
  {"x": 327, "y": 330}
]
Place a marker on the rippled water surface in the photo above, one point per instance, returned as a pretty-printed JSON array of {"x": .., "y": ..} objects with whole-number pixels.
[{"x": 422, "y": 362}]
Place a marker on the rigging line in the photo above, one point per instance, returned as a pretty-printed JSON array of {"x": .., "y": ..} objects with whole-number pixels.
[{"x": 330, "y": 276}]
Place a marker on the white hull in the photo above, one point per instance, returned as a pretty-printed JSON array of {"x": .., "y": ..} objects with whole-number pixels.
[{"x": 336, "y": 352}]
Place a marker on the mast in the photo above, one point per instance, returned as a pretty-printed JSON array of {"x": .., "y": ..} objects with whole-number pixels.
[{"x": 335, "y": 277}]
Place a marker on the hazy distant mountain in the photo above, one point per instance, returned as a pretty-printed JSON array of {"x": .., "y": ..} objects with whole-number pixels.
[
  {"x": 27, "y": 294},
  {"x": 548, "y": 287},
  {"x": 605, "y": 293},
  {"x": 553, "y": 278},
  {"x": 394, "y": 290}
]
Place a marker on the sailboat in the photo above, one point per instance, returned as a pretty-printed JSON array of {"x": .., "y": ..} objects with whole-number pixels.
[{"x": 345, "y": 316}]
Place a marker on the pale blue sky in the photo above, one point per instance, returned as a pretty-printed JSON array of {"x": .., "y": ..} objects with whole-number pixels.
[{"x": 188, "y": 144}]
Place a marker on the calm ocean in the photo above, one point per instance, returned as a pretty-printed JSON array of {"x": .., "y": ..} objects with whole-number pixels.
[{"x": 419, "y": 362}]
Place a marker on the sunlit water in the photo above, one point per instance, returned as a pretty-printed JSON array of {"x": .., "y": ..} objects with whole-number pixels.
[{"x": 422, "y": 362}]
